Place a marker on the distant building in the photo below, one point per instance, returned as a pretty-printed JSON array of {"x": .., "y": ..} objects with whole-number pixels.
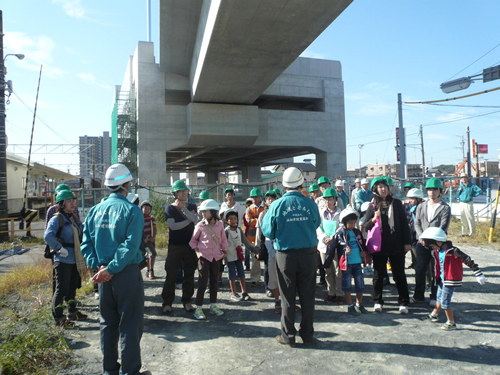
[
  {"x": 392, "y": 170},
  {"x": 307, "y": 167},
  {"x": 95, "y": 154},
  {"x": 41, "y": 181}
]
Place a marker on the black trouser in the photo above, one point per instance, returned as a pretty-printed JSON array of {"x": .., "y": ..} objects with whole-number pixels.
[
  {"x": 178, "y": 254},
  {"x": 207, "y": 270},
  {"x": 398, "y": 272},
  {"x": 296, "y": 270},
  {"x": 66, "y": 279},
  {"x": 121, "y": 304},
  {"x": 424, "y": 258}
]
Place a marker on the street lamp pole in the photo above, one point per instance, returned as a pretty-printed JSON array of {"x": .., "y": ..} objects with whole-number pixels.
[
  {"x": 360, "y": 148},
  {"x": 4, "y": 208}
]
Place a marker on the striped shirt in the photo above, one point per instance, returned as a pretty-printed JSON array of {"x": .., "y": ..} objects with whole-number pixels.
[{"x": 149, "y": 223}]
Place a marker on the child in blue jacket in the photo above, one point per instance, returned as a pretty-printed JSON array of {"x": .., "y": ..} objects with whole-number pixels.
[{"x": 349, "y": 244}]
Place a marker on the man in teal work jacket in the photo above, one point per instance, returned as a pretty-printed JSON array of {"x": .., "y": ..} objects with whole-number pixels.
[
  {"x": 110, "y": 246},
  {"x": 291, "y": 222},
  {"x": 466, "y": 192}
]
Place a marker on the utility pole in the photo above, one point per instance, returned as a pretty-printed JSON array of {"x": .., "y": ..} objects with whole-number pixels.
[
  {"x": 402, "y": 140},
  {"x": 469, "y": 170},
  {"x": 423, "y": 154},
  {"x": 4, "y": 208}
]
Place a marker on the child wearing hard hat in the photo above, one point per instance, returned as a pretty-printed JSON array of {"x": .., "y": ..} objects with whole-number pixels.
[
  {"x": 148, "y": 238},
  {"x": 339, "y": 185},
  {"x": 449, "y": 273},
  {"x": 348, "y": 244}
]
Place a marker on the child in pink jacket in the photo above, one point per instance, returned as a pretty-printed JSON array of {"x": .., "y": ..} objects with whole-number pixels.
[{"x": 210, "y": 244}]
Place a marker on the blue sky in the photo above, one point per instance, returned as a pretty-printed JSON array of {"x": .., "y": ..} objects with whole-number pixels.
[{"x": 385, "y": 47}]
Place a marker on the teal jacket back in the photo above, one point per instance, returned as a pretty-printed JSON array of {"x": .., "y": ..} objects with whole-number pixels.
[{"x": 112, "y": 234}]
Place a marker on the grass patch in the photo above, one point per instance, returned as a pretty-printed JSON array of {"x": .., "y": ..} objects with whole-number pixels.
[
  {"x": 29, "y": 341},
  {"x": 159, "y": 202},
  {"x": 23, "y": 280},
  {"x": 480, "y": 238}
]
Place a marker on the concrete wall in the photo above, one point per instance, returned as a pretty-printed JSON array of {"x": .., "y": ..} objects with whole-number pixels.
[{"x": 163, "y": 127}]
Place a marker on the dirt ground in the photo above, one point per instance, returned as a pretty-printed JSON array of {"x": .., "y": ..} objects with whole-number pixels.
[{"x": 243, "y": 340}]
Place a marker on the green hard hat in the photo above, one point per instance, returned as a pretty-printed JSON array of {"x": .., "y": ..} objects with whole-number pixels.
[
  {"x": 61, "y": 187},
  {"x": 378, "y": 180},
  {"x": 179, "y": 185},
  {"x": 389, "y": 181},
  {"x": 323, "y": 180},
  {"x": 330, "y": 192},
  {"x": 272, "y": 193},
  {"x": 277, "y": 191},
  {"x": 256, "y": 192},
  {"x": 434, "y": 183},
  {"x": 229, "y": 189},
  {"x": 313, "y": 187},
  {"x": 410, "y": 185},
  {"x": 204, "y": 195},
  {"x": 63, "y": 195}
]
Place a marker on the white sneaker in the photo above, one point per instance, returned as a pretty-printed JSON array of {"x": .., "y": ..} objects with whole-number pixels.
[
  {"x": 96, "y": 295},
  {"x": 432, "y": 303},
  {"x": 377, "y": 307},
  {"x": 403, "y": 310}
]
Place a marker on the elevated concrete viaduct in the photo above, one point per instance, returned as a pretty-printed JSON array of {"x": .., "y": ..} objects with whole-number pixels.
[{"x": 230, "y": 91}]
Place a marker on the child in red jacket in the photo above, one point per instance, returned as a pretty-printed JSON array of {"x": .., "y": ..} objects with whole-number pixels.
[{"x": 449, "y": 273}]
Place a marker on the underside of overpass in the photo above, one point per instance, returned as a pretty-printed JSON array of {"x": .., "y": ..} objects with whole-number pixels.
[
  {"x": 200, "y": 158},
  {"x": 231, "y": 92}
]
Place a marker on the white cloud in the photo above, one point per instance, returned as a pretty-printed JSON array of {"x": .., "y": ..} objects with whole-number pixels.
[
  {"x": 376, "y": 86},
  {"x": 38, "y": 50},
  {"x": 72, "y": 8},
  {"x": 453, "y": 116},
  {"x": 437, "y": 136},
  {"x": 313, "y": 55},
  {"x": 90, "y": 79}
]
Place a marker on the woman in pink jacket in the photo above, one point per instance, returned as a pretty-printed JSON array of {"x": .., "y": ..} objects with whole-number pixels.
[{"x": 210, "y": 244}]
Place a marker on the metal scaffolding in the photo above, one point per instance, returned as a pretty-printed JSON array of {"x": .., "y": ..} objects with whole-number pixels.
[{"x": 124, "y": 132}]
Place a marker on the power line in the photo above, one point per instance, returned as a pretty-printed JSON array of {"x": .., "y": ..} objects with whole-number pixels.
[
  {"x": 473, "y": 62},
  {"x": 40, "y": 119}
]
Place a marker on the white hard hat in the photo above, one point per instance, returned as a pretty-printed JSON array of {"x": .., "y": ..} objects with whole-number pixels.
[
  {"x": 433, "y": 233},
  {"x": 146, "y": 202},
  {"x": 116, "y": 176},
  {"x": 348, "y": 211},
  {"x": 364, "y": 181},
  {"x": 357, "y": 180},
  {"x": 133, "y": 198},
  {"x": 229, "y": 211},
  {"x": 208, "y": 204},
  {"x": 339, "y": 183},
  {"x": 415, "y": 193},
  {"x": 364, "y": 206},
  {"x": 293, "y": 177}
]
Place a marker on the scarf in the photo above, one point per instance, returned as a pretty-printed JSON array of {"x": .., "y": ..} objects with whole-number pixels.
[
  {"x": 390, "y": 214},
  {"x": 81, "y": 266}
]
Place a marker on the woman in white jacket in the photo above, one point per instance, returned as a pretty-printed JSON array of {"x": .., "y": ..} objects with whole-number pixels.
[{"x": 329, "y": 225}]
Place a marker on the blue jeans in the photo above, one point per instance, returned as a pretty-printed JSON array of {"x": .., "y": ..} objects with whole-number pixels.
[
  {"x": 121, "y": 303},
  {"x": 353, "y": 271},
  {"x": 235, "y": 270},
  {"x": 444, "y": 294}
]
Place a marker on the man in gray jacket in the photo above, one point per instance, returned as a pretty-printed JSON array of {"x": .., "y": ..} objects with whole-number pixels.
[{"x": 433, "y": 213}]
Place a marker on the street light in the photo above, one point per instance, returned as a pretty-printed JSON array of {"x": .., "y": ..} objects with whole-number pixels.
[
  {"x": 4, "y": 208},
  {"x": 360, "y": 148},
  {"x": 488, "y": 74}
]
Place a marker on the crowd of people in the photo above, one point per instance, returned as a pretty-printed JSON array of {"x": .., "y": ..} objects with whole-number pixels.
[{"x": 294, "y": 235}]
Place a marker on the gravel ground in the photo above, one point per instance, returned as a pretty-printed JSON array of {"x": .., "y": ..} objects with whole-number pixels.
[{"x": 242, "y": 341}]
